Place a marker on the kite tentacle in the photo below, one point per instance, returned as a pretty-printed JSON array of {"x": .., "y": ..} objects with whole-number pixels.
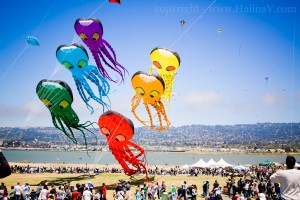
[
  {"x": 79, "y": 86},
  {"x": 72, "y": 137},
  {"x": 163, "y": 112},
  {"x": 93, "y": 96},
  {"x": 134, "y": 106},
  {"x": 114, "y": 54},
  {"x": 113, "y": 67},
  {"x": 105, "y": 87},
  {"x": 100, "y": 67},
  {"x": 149, "y": 114}
]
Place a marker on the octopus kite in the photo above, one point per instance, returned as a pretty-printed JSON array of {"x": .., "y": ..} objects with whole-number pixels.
[
  {"x": 57, "y": 96},
  {"x": 118, "y": 131},
  {"x": 75, "y": 58},
  {"x": 33, "y": 41},
  {"x": 149, "y": 89},
  {"x": 91, "y": 32},
  {"x": 166, "y": 62}
]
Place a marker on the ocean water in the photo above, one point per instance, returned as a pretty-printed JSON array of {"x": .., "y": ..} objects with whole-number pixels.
[{"x": 153, "y": 158}]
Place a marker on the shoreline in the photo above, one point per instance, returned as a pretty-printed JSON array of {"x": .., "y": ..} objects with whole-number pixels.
[{"x": 164, "y": 152}]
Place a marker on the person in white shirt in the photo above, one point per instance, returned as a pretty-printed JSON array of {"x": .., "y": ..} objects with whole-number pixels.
[
  {"x": 120, "y": 195},
  {"x": 87, "y": 194},
  {"x": 289, "y": 180},
  {"x": 18, "y": 191},
  {"x": 44, "y": 193}
]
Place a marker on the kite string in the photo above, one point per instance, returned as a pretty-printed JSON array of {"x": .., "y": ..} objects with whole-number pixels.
[
  {"x": 14, "y": 62},
  {"x": 293, "y": 69},
  {"x": 36, "y": 30},
  {"x": 56, "y": 68},
  {"x": 194, "y": 22}
]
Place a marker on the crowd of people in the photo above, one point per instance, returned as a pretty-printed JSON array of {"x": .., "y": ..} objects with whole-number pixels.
[{"x": 45, "y": 192}]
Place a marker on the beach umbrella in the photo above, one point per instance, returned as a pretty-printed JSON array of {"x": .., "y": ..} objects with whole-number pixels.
[
  {"x": 266, "y": 163},
  {"x": 240, "y": 167}
]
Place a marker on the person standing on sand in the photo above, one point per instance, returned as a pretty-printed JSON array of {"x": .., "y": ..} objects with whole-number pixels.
[
  {"x": 44, "y": 193},
  {"x": 173, "y": 192},
  {"x": 18, "y": 192},
  {"x": 289, "y": 180},
  {"x": 4, "y": 166},
  {"x": 87, "y": 195},
  {"x": 103, "y": 191}
]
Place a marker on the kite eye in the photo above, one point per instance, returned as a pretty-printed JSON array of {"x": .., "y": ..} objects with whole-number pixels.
[
  {"x": 156, "y": 64},
  {"x": 140, "y": 91},
  {"x": 47, "y": 103},
  {"x": 63, "y": 104},
  {"x": 170, "y": 68},
  {"x": 154, "y": 93},
  {"x": 81, "y": 63},
  {"x": 105, "y": 131},
  {"x": 96, "y": 36},
  {"x": 68, "y": 65},
  {"x": 83, "y": 37},
  {"x": 120, "y": 138}
]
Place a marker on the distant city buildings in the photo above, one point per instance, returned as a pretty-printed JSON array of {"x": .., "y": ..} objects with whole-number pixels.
[{"x": 260, "y": 137}]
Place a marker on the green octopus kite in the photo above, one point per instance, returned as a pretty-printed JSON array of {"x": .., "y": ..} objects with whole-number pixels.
[{"x": 57, "y": 96}]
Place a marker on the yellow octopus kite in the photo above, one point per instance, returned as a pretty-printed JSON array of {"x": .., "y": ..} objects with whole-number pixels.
[{"x": 166, "y": 62}]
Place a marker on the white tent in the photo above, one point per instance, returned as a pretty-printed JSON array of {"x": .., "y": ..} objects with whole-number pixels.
[
  {"x": 200, "y": 163},
  {"x": 240, "y": 167},
  {"x": 223, "y": 163},
  {"x": 186, "y": 166},
  {"x": 211, "y": 163}
]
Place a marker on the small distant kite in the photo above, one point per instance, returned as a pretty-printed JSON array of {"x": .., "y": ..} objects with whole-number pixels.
[
  {"x": 115, "y": 1},
  {"x": 33, "y": 41},
  {"x": 219, "y": 32},
  {"x": 267, "y": 79},
  {"x": 182, "y": 22}
]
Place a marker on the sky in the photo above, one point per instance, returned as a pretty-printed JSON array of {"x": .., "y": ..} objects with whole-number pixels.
[{"x": 221, "y": 78}]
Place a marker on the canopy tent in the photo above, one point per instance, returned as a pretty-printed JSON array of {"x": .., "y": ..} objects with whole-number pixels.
[
  {"x": 201, "y": 163},
  {"x": 211, "y": 163},
  {"x": 186, "y": 166},
  {"x": 223, "y": 163},
  {"x": 266, "y": 163},
  {"x": 240, "y": 167}
]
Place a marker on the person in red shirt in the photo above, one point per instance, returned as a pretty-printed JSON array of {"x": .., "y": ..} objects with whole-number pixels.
[
  {"x": 75, "y": 194},
  {"x": 103, "y": 191}
]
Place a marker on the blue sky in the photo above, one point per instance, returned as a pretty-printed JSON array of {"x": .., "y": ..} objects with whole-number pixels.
[{"x": 221, "y": 79}]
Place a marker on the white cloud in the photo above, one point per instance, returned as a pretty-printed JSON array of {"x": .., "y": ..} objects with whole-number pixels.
[
  {"x": 204, "y": 99},
  {"x": 271, "y": 99}
]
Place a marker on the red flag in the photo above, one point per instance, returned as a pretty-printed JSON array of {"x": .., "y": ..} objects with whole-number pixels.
[{"x": 115, "y": 1}]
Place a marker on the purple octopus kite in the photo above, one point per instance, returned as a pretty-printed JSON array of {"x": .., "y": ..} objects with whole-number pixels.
[{"x": 91, "y": 32}]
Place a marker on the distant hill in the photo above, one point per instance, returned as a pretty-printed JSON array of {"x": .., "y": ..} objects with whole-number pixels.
[{"x": 272, "y": 135}]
